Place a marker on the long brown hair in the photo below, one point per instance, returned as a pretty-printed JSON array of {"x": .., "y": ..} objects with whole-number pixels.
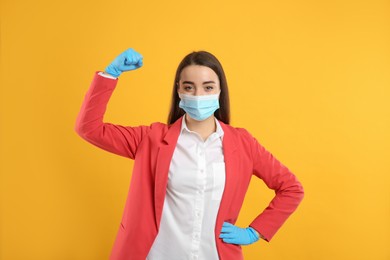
[{"x": 207, "y": 59}]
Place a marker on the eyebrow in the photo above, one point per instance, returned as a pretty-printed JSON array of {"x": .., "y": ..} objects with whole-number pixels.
[{"x": 190, "y": 82}]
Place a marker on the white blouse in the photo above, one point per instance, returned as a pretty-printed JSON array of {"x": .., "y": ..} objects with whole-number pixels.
[{"x": 196, "y": 181}]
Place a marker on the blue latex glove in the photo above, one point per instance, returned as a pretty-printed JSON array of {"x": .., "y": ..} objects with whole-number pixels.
[
  {"x": 128, "y": 60},
  {"x": 235, "y": 235}
]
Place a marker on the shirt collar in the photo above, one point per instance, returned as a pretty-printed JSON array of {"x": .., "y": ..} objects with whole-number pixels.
[{"x": 218, "y": 131}]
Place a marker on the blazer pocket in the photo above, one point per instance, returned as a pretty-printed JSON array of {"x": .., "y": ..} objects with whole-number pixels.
[{"x": 218, "y": 180}]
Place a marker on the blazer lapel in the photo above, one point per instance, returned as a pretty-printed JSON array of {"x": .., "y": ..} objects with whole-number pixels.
[
  {"x": 231, "y": 168},
  {"x": 163, "y": 161}
]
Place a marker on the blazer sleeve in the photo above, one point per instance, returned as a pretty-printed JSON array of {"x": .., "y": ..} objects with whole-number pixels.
[
  {"x": 288, "y": 191},
  {"x": 118, "y": 139}
]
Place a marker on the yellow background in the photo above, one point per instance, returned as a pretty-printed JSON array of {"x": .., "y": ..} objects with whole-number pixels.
[{"x": 309, "y": 79}]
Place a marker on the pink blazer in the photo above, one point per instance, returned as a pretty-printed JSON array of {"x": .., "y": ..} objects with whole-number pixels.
[{"x": 152, "y": 148}]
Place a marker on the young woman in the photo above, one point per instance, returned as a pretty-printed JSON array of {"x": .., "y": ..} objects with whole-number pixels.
[{"x": 190, "y": 176}]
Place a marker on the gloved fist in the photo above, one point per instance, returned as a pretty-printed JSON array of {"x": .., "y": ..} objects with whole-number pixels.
[
  {"x": 128, "y": 60},
  {"x": 235, "y": 235}
]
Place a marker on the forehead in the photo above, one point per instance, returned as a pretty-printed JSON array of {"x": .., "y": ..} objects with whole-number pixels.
[{"x": 198, "y": 73}]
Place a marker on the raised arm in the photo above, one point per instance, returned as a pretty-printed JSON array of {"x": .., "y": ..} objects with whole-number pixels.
[{"x": 121, "y": 140}]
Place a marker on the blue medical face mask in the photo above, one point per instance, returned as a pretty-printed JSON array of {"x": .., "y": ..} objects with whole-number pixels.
[{"x": 199, "y": 107}]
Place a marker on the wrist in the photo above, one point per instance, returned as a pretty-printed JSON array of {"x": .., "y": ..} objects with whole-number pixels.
[
  {"x": 112, "y": 71},
  {"x": 258, "y": 233},
  {"x": 253, "y": 234}
]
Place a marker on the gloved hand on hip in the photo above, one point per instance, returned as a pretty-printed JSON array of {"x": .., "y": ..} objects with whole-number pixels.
[
  {"x": 235, "y": 235},
  {"x": 128, "y": 60}
]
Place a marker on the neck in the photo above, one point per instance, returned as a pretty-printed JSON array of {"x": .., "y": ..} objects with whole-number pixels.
[{"x": 204, "y": 128}]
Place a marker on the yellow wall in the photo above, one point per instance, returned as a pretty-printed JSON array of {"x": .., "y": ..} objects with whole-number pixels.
[{"x": 309, "y": 79}]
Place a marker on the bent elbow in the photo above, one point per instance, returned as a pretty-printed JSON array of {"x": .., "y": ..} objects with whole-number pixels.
[{"x": 80, "y": 129}]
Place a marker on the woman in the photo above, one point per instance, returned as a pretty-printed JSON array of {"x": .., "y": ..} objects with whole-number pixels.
[{"x": 190, "y": 176}]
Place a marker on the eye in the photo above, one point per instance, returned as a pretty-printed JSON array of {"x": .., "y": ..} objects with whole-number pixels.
[
  {"x": 209, "y": 88},
  {"x": 188, "y": 88}
]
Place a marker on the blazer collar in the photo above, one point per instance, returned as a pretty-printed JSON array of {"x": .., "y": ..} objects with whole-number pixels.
[
  {"x": 230, "y": 137},
  {"x": 173, "y": 132}
]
